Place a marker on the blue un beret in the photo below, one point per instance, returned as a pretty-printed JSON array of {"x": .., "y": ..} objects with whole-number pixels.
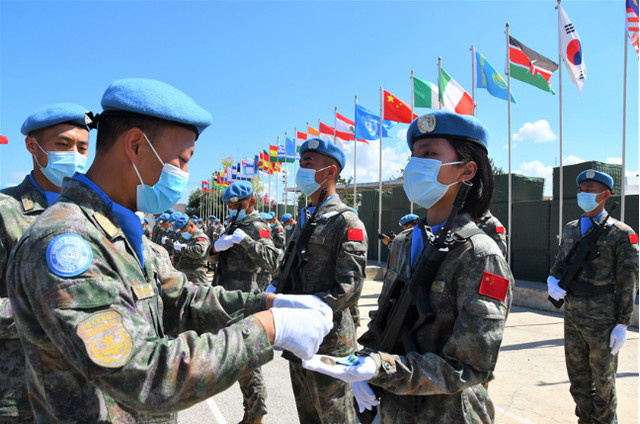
[
  {"x": 324, "y": 147},
  {"x": 194, "y": 216},
  {"x": 593, "y": 175},
  {"x": 265, "y": 216},
  {"x": 216, "y": 220},
  {"x": 446, "y": 124},
  {"x": 55, "y": 114},
  {"x": 239, "y": 190},
  {"x": 174, "y": 216},
  {"x": 156, "y": 99},
  {"x": 286, "y": 217},
  {"x": 408, "y": 218},
  {"x": 169, "y": 211},
  {"x": 163, "y": 217},
  {"x": 212, "y": 217},
  {"x": 146, "y": 221},
  {"x": 181, "y": 222}
]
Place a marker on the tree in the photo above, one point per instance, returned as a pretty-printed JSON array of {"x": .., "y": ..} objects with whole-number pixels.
[
  {"x": 496, "y": 169},
  {"x": 347, "y": 198},
  {"x": 193, "y": 207}
]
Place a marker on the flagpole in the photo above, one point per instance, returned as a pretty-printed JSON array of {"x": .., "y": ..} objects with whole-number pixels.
[
  {"x": 380, "y": 177},
  {"x": 561, "y": 177},
  {"x": 355, "y": 164},
  {"x": 412, "y": 103},
  {"x": 335, "y": 110},
  {"x": 286, "y": 183},
  {"x": 439, "y": 84},
  {"x": 295, "y": 203},
  {"x": 473, "y": 79},
  {"x": 624, "y": 120},
  {"x": 270, "y": 185},
  {"x": 509, "y": 182}
]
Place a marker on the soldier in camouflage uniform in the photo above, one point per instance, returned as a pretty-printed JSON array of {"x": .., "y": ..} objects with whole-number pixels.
[
  {"x": 494, "y": 229},
  {"x": 277, "y": 231},
  {"x": 159, "y": 230},
  {"x": 170, "y": 237},
  {"x": 598, "y": 305},
  {"x": 94, "y": 302},
  {"x": 244, "y": 258},
  {"x": 54, "y": 128},
  {"x": 441, "y": 382},
  {"x": 192, "y": 250},
  {"x": 335, "y": 273}
]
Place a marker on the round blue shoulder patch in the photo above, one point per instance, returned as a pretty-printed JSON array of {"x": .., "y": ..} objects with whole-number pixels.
[{"x": 69, "y": 255}]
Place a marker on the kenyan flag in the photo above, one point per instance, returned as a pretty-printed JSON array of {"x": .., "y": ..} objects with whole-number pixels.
[{"x": 530, "y": 66}]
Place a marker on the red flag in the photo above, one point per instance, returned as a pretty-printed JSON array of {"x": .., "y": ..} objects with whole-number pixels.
[
  {"x": 3, "y": 140},
  {"x": 494, "y": 286},
  {"x": 396, "y": 110}
]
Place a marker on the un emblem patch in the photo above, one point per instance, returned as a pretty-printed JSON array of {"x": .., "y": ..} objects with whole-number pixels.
[
  {"x": 426, "y": 123},
  {"x": 313, "y": 144},
  {"x": 68, "y": 255}
]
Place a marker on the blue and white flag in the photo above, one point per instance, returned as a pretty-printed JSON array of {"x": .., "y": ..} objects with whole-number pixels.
[
  {"x": 487, "y": 77},
  {"x": 368, "y": 125}
]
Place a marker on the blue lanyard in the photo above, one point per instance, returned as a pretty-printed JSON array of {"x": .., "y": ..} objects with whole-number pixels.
[
  {"x": 312, "y": 209},
  {"x": 585, "y": 222},
  {"x": 417, "y": 243}
]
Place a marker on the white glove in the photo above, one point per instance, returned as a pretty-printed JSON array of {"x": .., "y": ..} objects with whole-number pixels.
[
  {"x": 178, "y": 246},
  {"x": 364, "y": 395},
  {"x": 618, "y": 337},
  {"x": 271, "y": 289},
  {"x": 302, "y": 301},
  {"x": 554, "y": 289},
  {"x": 164, "y": 239},
  {"x": 238, "y": 235},
  {"x": 223, "y": 243},
  {"x": 300, "y": 331},
  {"x": 349, "y": 369}
]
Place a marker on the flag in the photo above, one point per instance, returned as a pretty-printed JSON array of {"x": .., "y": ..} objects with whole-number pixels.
[
  {"x": 571, "y": 50},
  {"x": 4, "y": 140},
  {"x": 281, "y": 153},
  {"x": 326, "y": 132},
  {"x": 452, "y": 95},
  {"x": 425, "y": 94},
  {"x": 632, "y": 23},
  {"x": 312, "y": 132},
  {"x": 368, "y": 125},
  {"x": 273, "y": 153},
  {"x": 487, "y": 77},
  {"x": 290, "y": 151},
  {"x": 300, "y": 139},
  {"x": 530, "y": 66},
  {"x": 204, "y": 186},
  {"x": 395, "y": 109},
  {"x": 265, "y": 161}
]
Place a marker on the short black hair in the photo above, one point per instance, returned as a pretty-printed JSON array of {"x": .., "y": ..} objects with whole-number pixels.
[{"x": 328, "y": 160}]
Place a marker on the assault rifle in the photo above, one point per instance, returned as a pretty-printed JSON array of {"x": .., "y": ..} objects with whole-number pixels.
[
  {"x": 579, "y": 257},
  {"x": 228, "y": 231}
]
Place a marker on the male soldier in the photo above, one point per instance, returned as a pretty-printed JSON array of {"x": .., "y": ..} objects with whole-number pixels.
[
  {"x": 334, "y": 272},
  {"x": 160, "y": 228},
  {"x": 599, "y": 302},
  {"x": 88, "y": 291},
  {"x": 192, "y": 250},
  {"x": 408, "y": 221},
  {"x": 211, "y": 227},
  {"x": 288, "y": 222},
  {"x": 494, "y": 229},
  {"x": 171, "y": 236},
  {"x": 277, "y": 231},
  {"x": 242, "y": 257},
  {"x": 57, "y": 138},
  {"x": 145, "y": 228}
]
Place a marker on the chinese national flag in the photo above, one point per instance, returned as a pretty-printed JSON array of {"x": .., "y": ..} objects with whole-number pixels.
[
  {"x": 396, "y": 110},
  {"x": 4, "y": 140},
  {"x": 494, "y": 286}
]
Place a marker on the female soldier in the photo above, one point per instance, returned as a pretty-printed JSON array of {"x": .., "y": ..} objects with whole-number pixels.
[{"x": 443, "y": 379}]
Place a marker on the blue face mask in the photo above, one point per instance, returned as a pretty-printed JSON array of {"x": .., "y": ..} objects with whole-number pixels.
[
  {"x": 272, "y": 225},
  {"x": 242, "y": 215},
  {"x": 61, "y": 164},
  {"x": 289, "y": 227},
  {"x": 186, "y": 235},
  {"x": 587, "y": 201},
  {"x": 164, "y": 193},
  {"x": 306, "y": 180},
  {"x": 421, "y": 181}
]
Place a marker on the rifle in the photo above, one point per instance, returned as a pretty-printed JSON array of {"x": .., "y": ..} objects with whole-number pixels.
[
  {"x": 218, "y": 269},
  {"x": 578, "y": 258},
  {"x": 406, "y": 307}
]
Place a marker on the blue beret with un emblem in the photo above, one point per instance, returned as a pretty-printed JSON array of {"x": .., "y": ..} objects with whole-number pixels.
[
  {"x": 446, "y": 124},
  {"x": 181, "y": 222},
  {"x": 324, "y": 147},
  {"x": 216, "y": 220},
  {"x": 163, "y": 217},
  {"x": 174, "y": 216},
  {"x": 212, "y": 217},
  {"x": 265, "y": 216},
  {"x": 68, "y": 255},
  {"x": 237, "y": 191},
  {"x": 59, "y": 113},
  {"x": 593, "y": 175},
  {"x": 286, "y": 217},
  {"x": 156, "y": 99},
  {"x": 408, "y": 218}
]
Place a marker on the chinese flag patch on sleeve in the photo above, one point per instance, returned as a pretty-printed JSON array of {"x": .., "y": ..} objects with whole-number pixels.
[
  {"x": 201, "y": 239},
  {"x": 265, "y": 234},
  {"x": 280, "y": 230},
  {"x": 633, "y": 238},
  {"x": 355, "y": 234},
  {"x": 494, "y": 286},
  {"x": 499, "y": 229}
]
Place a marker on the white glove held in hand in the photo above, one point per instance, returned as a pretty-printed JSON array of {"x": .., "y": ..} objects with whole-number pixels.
[
  {"x": 164, "y": 239},
  {"x": 554, "y": 289},
  {"x": 238, "y": 235},
  {"x": 617, "y": 338},
  {"x": 178, "y": 246},
  {"x": 300, "y": 331},
  {"x": 364, "y": 395},
  {"x": 364, "y": 369},
  {"x": 270, "y": 289},
  {"x": 223, "y": 243},
  {"x": 302, "y": 301}
]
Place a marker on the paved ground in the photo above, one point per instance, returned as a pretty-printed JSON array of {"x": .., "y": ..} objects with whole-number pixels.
[{"x": 531, "y": 384}]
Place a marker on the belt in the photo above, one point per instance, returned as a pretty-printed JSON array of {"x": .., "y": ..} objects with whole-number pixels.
[
  {"x": 238, "y": 275},
  {"x": 580, "y": 289}
]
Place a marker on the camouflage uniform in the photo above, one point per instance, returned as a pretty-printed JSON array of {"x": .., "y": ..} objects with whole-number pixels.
[
  {"x": 170, "y": 237},
  {"x": 494, "y": 229},
  {"x": 193, "y": 258},
  {"x": 335, "y": 273},
  {"x": 278, "y": 236},
  {"x": 588, "y": 320},
  {"x": 147, "y": 233},
  {"x": 19, "y": 207},
  {"x": 97, "y": 344},
  {"x": 156, "y": 233},
  {"x": 459, "y": 349},
  {"x": 240, "y": 268}
]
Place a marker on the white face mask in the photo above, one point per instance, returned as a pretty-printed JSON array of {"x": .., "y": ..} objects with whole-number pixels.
[{"x": 421, "y": 181}]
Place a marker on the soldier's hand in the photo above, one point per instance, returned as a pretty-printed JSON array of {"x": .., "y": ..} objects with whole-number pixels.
[
  {"x": 554, "y": 289},
  {"x": 238, "y": 235},
  {"x": 349, "y": 369},
  {"x": 618, "y": 338},
  {"x": 300, "y": 331},
  {"x": 164, "y": 239},
  {"x": 223, "y": 243},
  {"x": 364, "y": 395},
  {"x": 302, "y": 301},
  {"x": 178, "y": 246}
]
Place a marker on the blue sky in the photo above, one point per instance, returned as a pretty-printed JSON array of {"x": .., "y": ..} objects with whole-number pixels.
[{"x": 263, "y": 68}]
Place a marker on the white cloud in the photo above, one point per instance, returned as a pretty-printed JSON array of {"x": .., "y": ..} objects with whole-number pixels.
[
  {"x": 538, "y": 169},
  {"x": 572, "y": 160},
  {"x": 15, "y": 178},
  {"x": 402, "y": 134},
  {"x": 395, "y": 155},
  {"x": 613, "y": 160},
  {"x": 538, "y": 132}
]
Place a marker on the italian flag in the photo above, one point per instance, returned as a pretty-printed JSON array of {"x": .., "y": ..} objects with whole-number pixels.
[
  {"x": 452, "y": 95},
  {"x": 425, "y": 94}
]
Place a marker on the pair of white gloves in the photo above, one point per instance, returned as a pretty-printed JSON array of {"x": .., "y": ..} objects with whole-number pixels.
[
  {"x": 225, "y": 242},
  {"x": 619, "y": 333},
  {"x": 178, "y": 246}
]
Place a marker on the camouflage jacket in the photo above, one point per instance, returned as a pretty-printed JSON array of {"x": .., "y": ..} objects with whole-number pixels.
[
  {"x": 19, "y": 207},
  {"x": 470, "y": 296},
  {"x": 494, "y": 229},
  {"x": 617, "y": 264},
  {"x": 194, "y": 254},
  {"x": 213, "y": 233},
  {"x": 240, "y": 267},
  {"x": 96, "y": 341},
  {"x": 277, "y": 234},
  {"x": 335, "y": 270},
  {"x": 157, "y": 233},
  {"x": 169, "y": 237}
]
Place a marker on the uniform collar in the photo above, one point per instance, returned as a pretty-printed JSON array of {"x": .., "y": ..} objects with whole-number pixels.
[{"x": 49, "y": 196}]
